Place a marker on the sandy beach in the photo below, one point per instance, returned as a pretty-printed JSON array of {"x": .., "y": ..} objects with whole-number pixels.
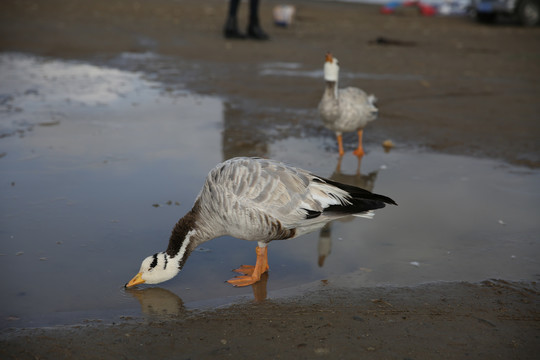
[{"x": 455, "y": 70}]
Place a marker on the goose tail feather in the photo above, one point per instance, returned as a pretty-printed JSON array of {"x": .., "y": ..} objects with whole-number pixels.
[
  {"x": 366, "y": 215},
  {"x": 360, "y": 201}
]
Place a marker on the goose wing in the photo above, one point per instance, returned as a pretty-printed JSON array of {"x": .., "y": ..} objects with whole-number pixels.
[
  {"x": 259, "y": 196},
  {"x": 356, "y": 107}
]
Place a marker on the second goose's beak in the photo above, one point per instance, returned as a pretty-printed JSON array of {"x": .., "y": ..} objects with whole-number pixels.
[
  {"x": 329, "y": 57},
  {"x": 135, "y": 281}
]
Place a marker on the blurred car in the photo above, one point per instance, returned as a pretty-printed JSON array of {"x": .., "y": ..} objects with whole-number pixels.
[{"x": 527, "y": 12}]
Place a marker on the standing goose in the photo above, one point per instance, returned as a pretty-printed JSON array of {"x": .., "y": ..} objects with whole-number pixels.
[
  {"x": 345, "y": 110},
  {"x": 258, "y": 200}
]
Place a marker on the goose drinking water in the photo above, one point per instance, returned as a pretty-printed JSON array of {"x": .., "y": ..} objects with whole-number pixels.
[
  {"x": 345, "y": 110},
  {"x": 259, "y": 200}
]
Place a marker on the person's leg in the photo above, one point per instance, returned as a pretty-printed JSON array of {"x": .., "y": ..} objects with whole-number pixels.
[
  {"x": 230, "y": 30},
  {"x": 254, "y": 28}
]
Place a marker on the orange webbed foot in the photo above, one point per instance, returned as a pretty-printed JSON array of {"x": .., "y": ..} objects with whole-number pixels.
[
  {"x": 245, "y": 269},
  {"x": 360, "y": 149},
  {"x": 243, "y": 280},
  {"x": 359, "y": 152},
  {"x": 252, "y": 274}
]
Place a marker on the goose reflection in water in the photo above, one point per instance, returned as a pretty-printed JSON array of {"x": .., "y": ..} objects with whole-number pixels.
[
  {"x": 364, "y": 181},
  {"x": 157, "y": 302}
]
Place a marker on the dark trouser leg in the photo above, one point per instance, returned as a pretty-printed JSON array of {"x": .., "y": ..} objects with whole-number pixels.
[
  {"x": 230, "y": 30},
  {"x": 254, "y": 27}
]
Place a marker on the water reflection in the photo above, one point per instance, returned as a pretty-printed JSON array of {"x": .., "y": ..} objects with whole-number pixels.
[
  {"x": 158, "y": 302},
  {"x": 259, "y": 288},
  {"x": 240, "y": 136},
  {"x": 364, "y": 181},
  {"x": 324, "y": 247}
]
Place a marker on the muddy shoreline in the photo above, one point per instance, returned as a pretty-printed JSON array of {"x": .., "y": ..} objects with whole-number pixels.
[
  {"x": 456, "y": 87},
  {"x": 491, "y": 320}
]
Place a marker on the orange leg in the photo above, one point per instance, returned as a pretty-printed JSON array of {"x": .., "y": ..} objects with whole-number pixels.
[
  {"x": 340, "y": 144},
  {"x": 252, "y": 274},
  {"x": 338, "y": 166},
  {"x": 360, "y": 150}
]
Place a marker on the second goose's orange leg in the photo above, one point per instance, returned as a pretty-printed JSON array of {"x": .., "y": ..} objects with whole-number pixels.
[
  {"x": 360, "y": 150},
  {"x": 252, "y": 274},
  {"x": 340, "y": 144}
]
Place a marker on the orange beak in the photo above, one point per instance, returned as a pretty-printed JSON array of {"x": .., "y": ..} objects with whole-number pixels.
[
  {"x": 136, "y": 280},
  {"x": 329, "y": 57}
]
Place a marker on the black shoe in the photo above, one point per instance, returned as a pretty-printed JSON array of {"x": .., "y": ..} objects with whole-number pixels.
[
  {"x": 255, "y": 32},
  {"x": 230, "y": 31},
  {"x": 233, "y": 34}
]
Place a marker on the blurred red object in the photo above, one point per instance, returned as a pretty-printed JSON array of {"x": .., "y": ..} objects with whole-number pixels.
[{"x": 424, "y": 9}]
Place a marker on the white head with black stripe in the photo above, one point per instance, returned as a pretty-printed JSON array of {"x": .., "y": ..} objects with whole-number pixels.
[{"x": 155, "y": 269}]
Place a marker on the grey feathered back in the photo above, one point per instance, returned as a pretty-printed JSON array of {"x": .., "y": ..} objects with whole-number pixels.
[{"x": 263, "y": 200}]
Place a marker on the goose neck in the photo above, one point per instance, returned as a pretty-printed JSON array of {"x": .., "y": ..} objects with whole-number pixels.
[
  {"x": 185, "y": 237},
  {"x": 331, "y": 90}
]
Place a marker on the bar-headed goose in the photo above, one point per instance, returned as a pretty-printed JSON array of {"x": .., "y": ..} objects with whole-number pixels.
[
  {"x": 258, "y": 200},
  {"x": 345, "y": 110}
]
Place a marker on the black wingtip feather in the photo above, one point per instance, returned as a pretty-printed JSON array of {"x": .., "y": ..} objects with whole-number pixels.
[
  {"x": 311, "y": 214},
  {"x": 361, "y": 200}
]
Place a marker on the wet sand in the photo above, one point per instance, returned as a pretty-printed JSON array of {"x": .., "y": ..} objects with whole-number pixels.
[
  {"x": 468, "y": 89},
  {"x": 492, "y": 320}
]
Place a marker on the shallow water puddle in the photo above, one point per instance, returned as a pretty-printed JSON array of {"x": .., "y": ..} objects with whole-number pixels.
[
  {"x": 86, "y": 198},
  {"x": 98, "y": 164},
  {"x": 458, "y": 219},
  {"x": 295, "y": 70}
]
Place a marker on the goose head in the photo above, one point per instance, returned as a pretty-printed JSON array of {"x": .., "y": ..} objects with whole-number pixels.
[
  {"x": 331, "y": 68},
  {"x": 155, "y": 269}
]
